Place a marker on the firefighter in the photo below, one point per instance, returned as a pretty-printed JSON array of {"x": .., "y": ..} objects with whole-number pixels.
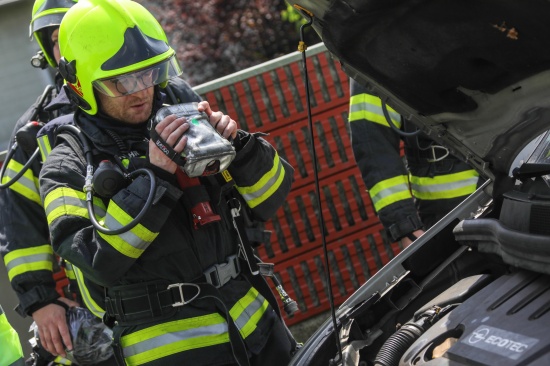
[
  {"x": 177, "y": 289},
  {"x": 408, "y": 198},
  {"x": 24, "y": 236}
]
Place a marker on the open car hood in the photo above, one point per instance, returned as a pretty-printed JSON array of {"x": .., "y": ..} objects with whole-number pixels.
[{"x": 474, "y": 75}]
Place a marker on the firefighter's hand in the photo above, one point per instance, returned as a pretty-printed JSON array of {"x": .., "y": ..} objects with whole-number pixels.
[
  {"x": 405, "y": 242},
  {"x": 171, "y": 129},
  {"x": 222, "y": 123},
  {"x": 52, "y": 327}
]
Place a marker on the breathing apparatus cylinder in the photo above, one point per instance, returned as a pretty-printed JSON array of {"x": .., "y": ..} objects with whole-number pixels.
[{"x": 26, "y": 136}]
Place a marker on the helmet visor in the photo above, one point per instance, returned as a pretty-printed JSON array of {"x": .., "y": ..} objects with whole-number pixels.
[
  {"x": 50, "y": 20},
  {"x": 133, "y": 82}
]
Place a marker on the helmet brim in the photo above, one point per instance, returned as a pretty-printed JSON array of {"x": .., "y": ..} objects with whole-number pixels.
[{"x": 50, "y": 20}]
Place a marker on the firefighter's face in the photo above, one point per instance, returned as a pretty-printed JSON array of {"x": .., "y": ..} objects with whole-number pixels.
[
  {"x": 55, "y": 44},
  {"x": 132, "y": 108}
]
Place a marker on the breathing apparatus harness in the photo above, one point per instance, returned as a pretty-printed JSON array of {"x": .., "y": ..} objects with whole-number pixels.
[
  {"x": 215, "y": 155},
  {"x": 25, "y": 138}
]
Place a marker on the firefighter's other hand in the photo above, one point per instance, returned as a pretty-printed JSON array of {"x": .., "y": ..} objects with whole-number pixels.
[
  {"x": 405, "y": 242},
  {"x": 171, "y": 129},
  {"x": 222, "y": 123},
  {"x": 52, "y": 327}
]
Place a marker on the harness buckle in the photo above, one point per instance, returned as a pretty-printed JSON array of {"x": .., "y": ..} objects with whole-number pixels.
[
  {"x": 434, "y": 158},
  {"x": 219, "y": 274},
  {"x": 180, "y": 288}
]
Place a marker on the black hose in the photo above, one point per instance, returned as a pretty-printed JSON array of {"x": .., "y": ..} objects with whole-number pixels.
[
  {"x": 88, "y": 187},
  {"x": 135, "y": 221},
  {"x": 392, "y": 125},
  {"x": 21, "y": 172},
  {"x": 36, "y": 152},
  {"x": 395, "y": 346}
]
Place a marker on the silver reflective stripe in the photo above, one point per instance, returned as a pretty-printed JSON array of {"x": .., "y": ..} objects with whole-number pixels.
[
  {"x": 73, "y": 201},
  {"x": 266, "y": 186},
  {"x": 85, "y": 294},
  {"x": 27, "y": 259},
  {"x": 442, "y": 187},
  {"x": 165, "y": 339},
  {"x": 128, "y": 237},
  {"x": 376, "y": 109},
  {"x": 252, "y": 308},
  {"x": 387, "y": 192},
  {"x": 23, "y": 180}
]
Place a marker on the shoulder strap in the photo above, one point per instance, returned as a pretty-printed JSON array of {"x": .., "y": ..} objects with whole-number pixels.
[
  {"x": 43, "y": 101},
  {"x": 74, "y": 142},
  {"x": 46, "y": 136}
]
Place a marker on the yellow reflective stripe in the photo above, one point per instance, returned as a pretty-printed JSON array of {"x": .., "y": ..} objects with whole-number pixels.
[
  {"x": 445, "y": 186},
  {"x": 61, "y": 361},
  {"x": 69, "y": 271},
  {"x": 66, "y": 201},
  {"x": 389, "y": 191},
  {"x": 20, "y": 261},
  {"x": 248, "y": 311},
  {"x": 369, "y": 107},
  {"x": 26, "y": 185},
  {"x": 131, "y": 243},
  {"x": 169, "y": 338},
  {"x": 264, "y": 188},
  {"x": 85, "y": 294},
  {"x": 44, "y": 146}
]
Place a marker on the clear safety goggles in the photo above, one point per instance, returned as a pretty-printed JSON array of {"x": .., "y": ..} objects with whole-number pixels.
[{"x": 133, "y": 82}]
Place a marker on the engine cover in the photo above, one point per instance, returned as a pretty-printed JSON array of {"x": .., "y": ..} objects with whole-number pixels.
[{"x": 505, "y": 323}]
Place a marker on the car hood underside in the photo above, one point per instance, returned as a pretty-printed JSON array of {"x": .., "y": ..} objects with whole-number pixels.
[{"x": 472, "y": 74}]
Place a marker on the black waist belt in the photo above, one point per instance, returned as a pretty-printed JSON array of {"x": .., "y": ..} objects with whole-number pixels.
[
  {"x": 159, "y": 300},
  {"x": 132, "y": 304},
  {"x": 156, "y": 300}
]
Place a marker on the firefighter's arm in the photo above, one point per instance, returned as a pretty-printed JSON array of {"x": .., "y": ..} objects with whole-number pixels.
[
  {"x": 376, "y": 148},
  {"x": 28, "y": 254},
  {"x": 262, "y": 177},
  {"x": 24, "y": 237}
]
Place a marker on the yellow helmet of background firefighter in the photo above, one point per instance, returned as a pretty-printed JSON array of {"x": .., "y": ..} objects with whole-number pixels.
[
  {"x": 46, "y": 17},
  {"x": 108, "y": 44}
]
